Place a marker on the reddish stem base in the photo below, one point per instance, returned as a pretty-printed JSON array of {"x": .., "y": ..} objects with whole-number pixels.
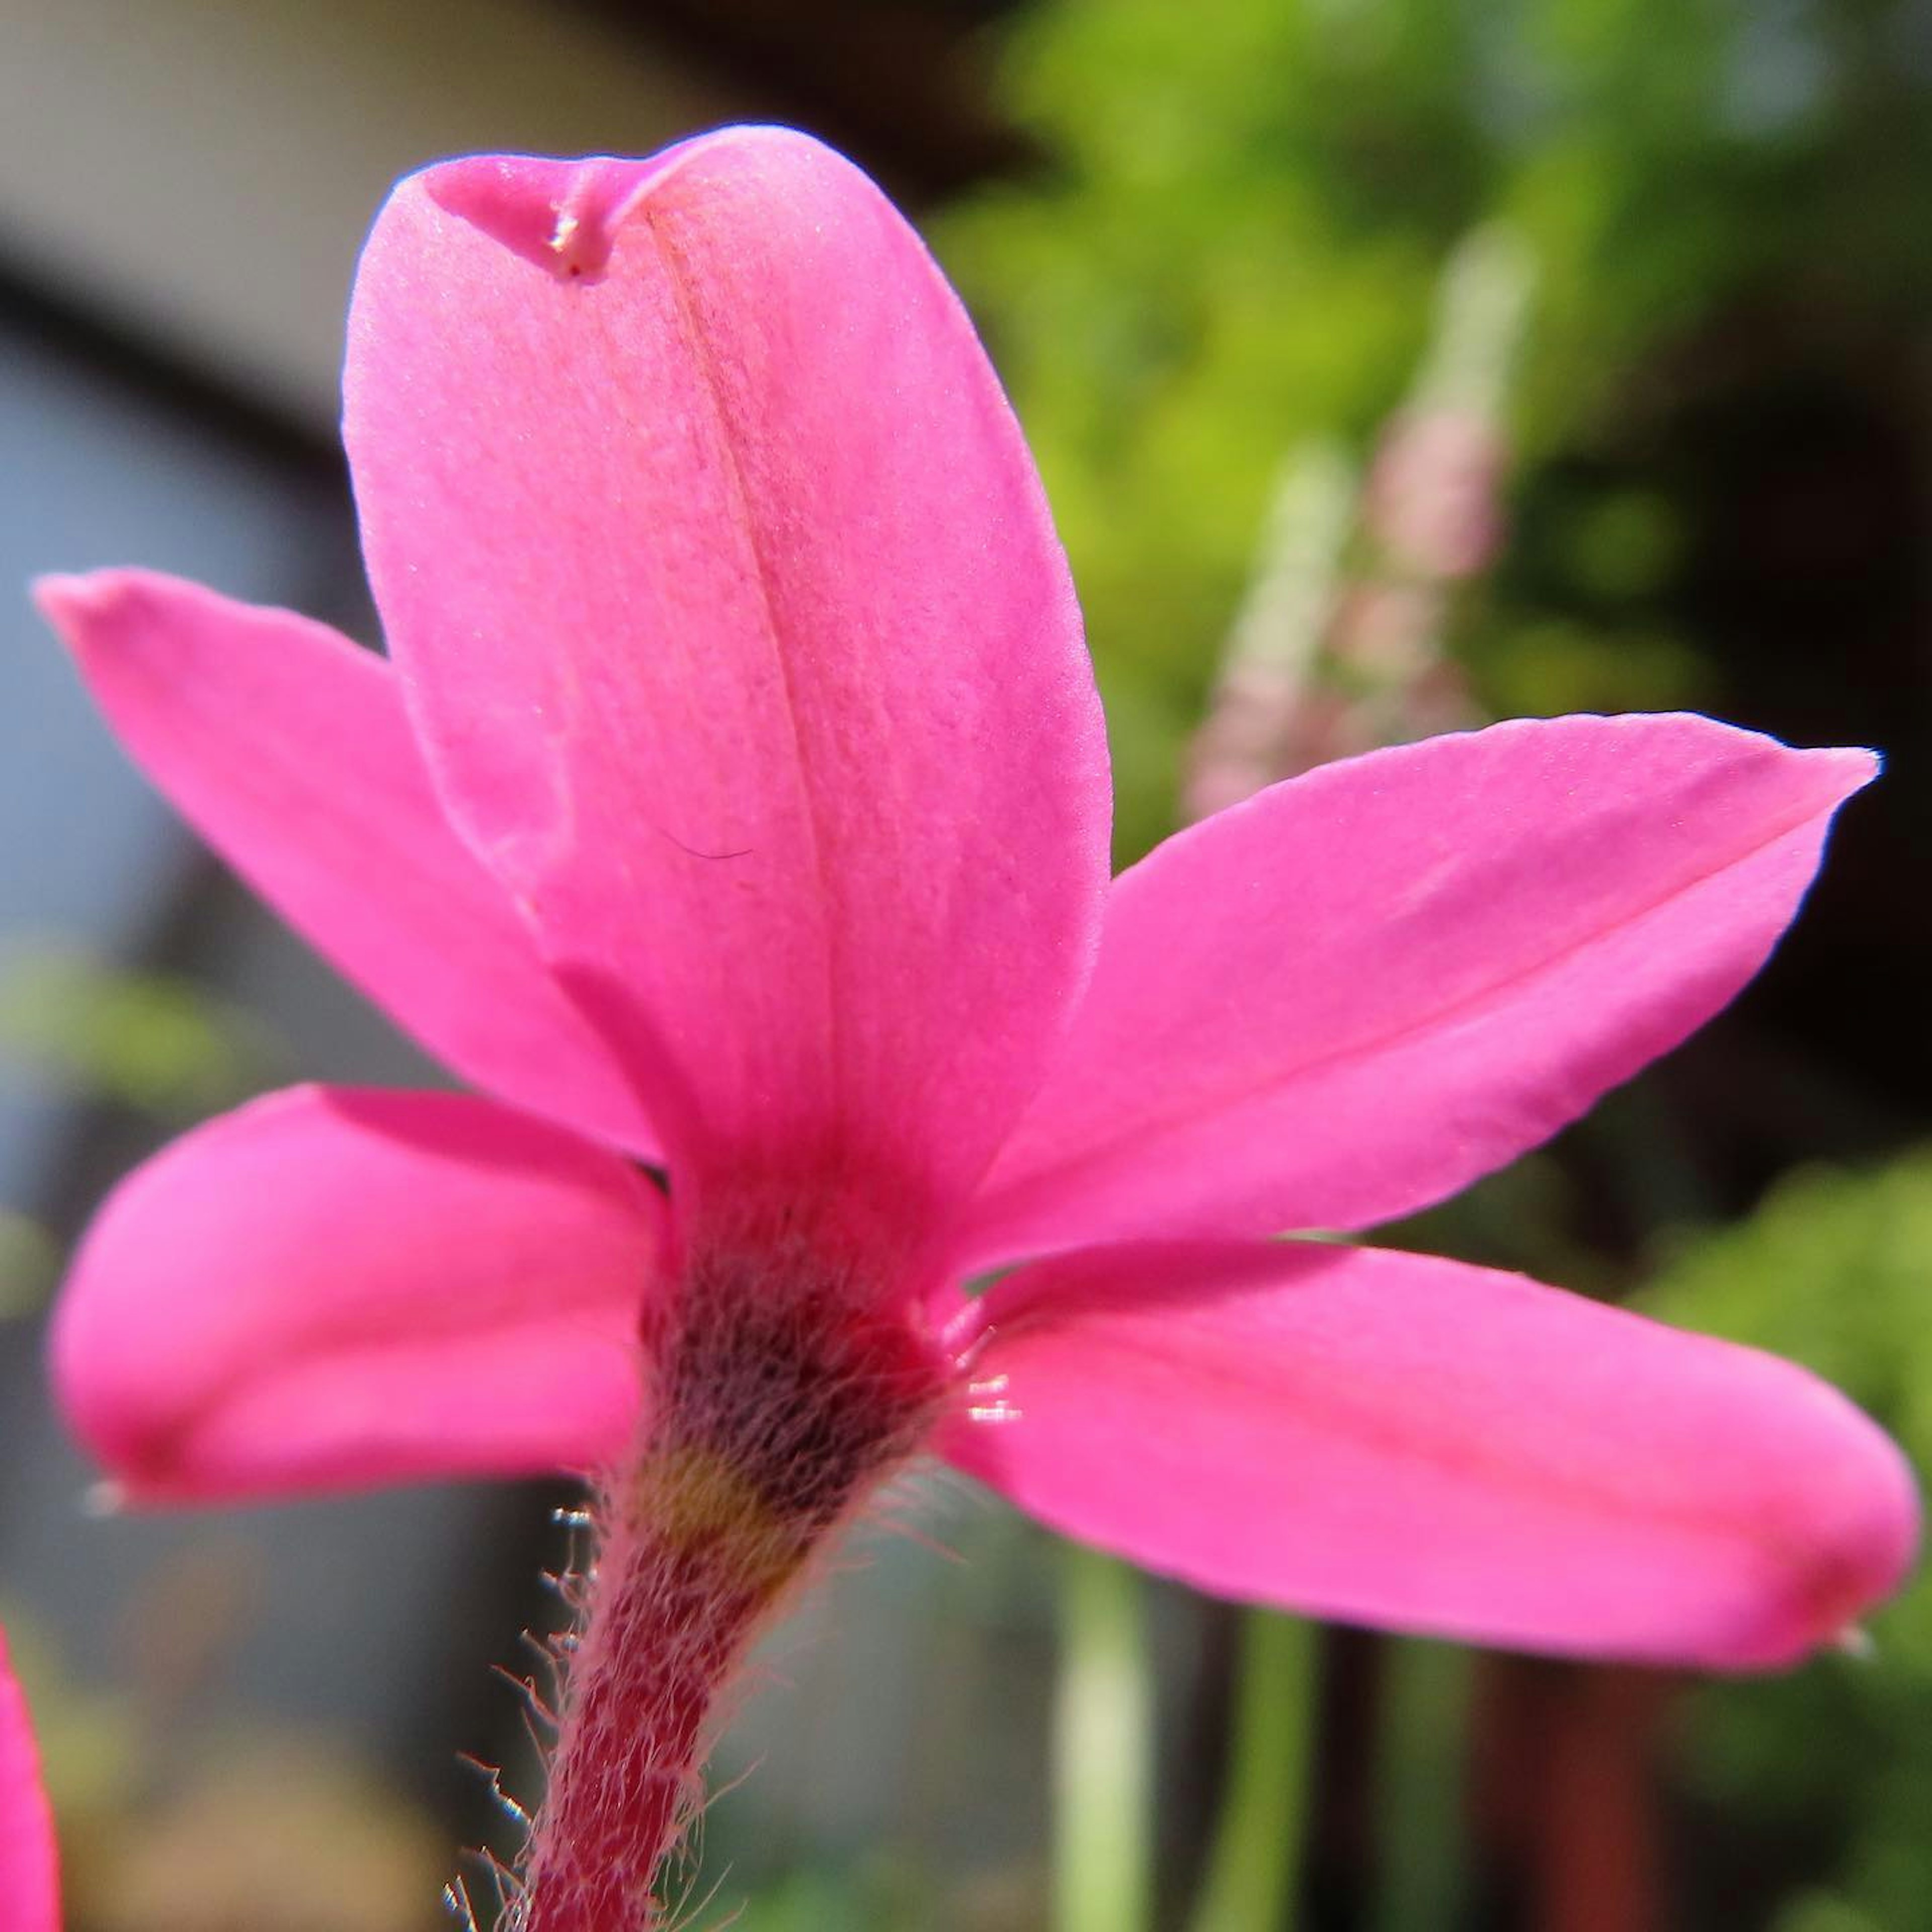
[
  {"x": 666, "y": 1630},
  {"x": 772, "y": 1415}
]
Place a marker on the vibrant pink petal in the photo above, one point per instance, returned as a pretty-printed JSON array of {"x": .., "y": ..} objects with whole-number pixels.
[
  {"x": 287, "y": 748},
  {"x": 29, "y": 1881},
  {"x": 1350, "y": 996},
  {"x": 1395, "y": 1440},
  {"x": 740, "y": 641},
  {"x": 333, "y": 1287}
]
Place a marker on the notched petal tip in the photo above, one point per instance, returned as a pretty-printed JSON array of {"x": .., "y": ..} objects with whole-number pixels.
[
  {"x": 94, "y": 610},
  {"x": 72, "y": 601},
  {"x": 564, "y": 215},
  {"x": 55, "y": 593}
]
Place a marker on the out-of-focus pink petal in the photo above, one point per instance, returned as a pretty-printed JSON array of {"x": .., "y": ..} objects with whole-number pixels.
[
  {"x": 29, "y": 1882},
  {"x": 288, "y": 749},
  {"x": 1350, "y": 996},
  {"x": 334, "y": 1287},
  {"x": 740, "y": 639},
  {"x": 1395, "y": 1440}
]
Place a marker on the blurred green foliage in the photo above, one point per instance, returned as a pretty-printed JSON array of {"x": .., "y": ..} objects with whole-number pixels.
[
  {"x": 877, "y": 1897},
  {"x": 29, "y": 1264},
  {"x": 96, "y": 1032},
  {"x": 1833, "y": 1764},
  {"x": 163, "y": 1044},
  {"x": 1231, "y": 248}
]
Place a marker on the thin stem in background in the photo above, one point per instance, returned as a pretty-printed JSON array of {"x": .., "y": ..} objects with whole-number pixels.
[
  {"x": 1422, "y": 1875},
  {"x": 1103, "y": 1751},
  {"x": 1254, "y": 1869}
]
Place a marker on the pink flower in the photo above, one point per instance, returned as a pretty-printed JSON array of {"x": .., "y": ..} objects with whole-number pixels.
[
  {"x": 735, "y": 800},
  {"x": 29, "y": 1879},
  {"x": 1432, "y": 492}
]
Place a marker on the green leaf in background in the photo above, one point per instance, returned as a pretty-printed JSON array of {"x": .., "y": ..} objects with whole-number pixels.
[
  {"x": 29, "y": 1264},
  {"x": 151, "y": 1041},
  {"x": 1834, "y": 1763},
  {"x": 1232, "y": 248},
  {"x": 1834, "y": 1271},
  {"x": 1421, "y": 1748}
]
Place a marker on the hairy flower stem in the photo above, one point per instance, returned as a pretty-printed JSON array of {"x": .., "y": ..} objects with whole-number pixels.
[{"x": 771, "y": 1416}]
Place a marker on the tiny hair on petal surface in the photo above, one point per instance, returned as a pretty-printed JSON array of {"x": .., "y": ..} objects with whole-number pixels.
[{"x": 737, "y": 723}]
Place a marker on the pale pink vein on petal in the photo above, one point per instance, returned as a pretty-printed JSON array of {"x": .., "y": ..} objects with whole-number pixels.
[
  {"x": 1356, "y": 993},
  {"x": 740, "y": 640}
]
